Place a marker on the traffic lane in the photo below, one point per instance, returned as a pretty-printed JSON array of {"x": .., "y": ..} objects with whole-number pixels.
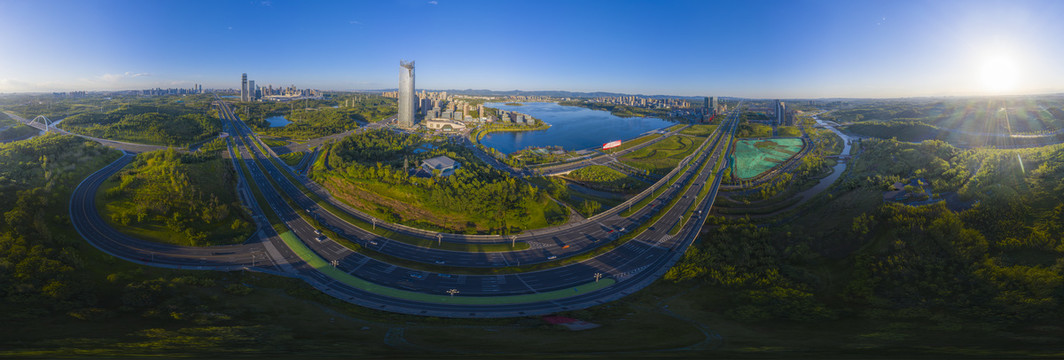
[
  {"x": 428, "y": 255},
  {"x": 394, "y": 267}
]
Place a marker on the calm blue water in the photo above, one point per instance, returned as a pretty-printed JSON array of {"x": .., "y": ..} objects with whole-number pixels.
[
  {"x": 277, "y": 121},
  {"x": 573, "y": 128}
]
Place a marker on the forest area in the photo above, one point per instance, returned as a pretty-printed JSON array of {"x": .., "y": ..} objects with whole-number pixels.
[
  {"x": 317, "y": 118},
  {"x": 988, "y": 257},
  {"x": 181, "y": 199},
  {"x": 161, "y": 120},
  {"x": 41, "y": 264}
]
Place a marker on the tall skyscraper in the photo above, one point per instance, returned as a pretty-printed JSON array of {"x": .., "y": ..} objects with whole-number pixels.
[
  {"x": 781, "y": 112},
  {"x": 251, "y": 90},
  {"x": 407, "y": 106},
  {"x": 244, "y": 87}
]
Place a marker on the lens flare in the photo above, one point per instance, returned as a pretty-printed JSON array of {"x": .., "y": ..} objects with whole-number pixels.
[{"x": 999, "y": 74}]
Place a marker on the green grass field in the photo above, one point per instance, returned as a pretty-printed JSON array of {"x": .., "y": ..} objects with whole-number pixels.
[
  {"x": 699, "y": 130},
  {"x": 293, "y": 158},
  {"x": 273, "y": 142},
  {"x": 602, "y": 177},
  {"x": 662, "y": 157},
  {"x": 407, "y": 205}
]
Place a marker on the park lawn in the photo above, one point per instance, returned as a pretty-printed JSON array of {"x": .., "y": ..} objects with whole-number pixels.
[
  {"x": 699, "y": 130},
  {"x": 633, "y": 142},
  {"x": 675, "y": 127},
  {"x": 205, "y": 177},
  {"x": 663, "y": 156},
  {"x": 602, "y": 177},
  {"x": 788, "y": 131},
  {"x": 407, "y": 205}
]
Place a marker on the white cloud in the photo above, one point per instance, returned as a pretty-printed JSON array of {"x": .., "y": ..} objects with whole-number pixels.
[
  {"x": 266, "y": 3},
  {"x": 118, "y": 77},
  {"x": 354, "y": 22},
  {"x": 433, "y": 2}
]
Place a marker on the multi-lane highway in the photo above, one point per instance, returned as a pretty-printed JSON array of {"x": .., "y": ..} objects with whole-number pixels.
[{"x": 628, "y": 267}]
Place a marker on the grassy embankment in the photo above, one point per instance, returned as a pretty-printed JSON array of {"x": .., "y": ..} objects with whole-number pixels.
[
  {"x": 662, "y": 156},
  {"x": 293, "y": 158},
  {"x": 602, "y": 177},
  {"x": 699, "y": 130}
]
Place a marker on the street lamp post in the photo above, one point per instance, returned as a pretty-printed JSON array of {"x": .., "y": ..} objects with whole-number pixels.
[
  {"x": 439, "y": 239},
  {"x": 335, "y": 263},
  {"x": 513, "y": 240},
  {"x": 374, "y": 223},
  {"x": 598, "y": 276},
  {"x": 452, "y": 292}
]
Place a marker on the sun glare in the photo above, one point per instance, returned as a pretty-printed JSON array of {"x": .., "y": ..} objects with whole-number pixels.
[{"x": 999, "y": 74}]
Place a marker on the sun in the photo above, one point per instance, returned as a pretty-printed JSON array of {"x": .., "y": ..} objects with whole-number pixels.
[{"x": 999, "y": 74}]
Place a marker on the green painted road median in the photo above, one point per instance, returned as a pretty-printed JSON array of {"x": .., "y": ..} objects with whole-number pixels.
[{"x": 315, "y": 261}]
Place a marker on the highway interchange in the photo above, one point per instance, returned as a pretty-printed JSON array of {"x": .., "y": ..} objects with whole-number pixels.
[{"x": 624, "y": 269}]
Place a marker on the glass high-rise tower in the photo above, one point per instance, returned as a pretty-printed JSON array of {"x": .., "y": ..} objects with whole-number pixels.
[
  {"x": 407, "y": 100},
  {"x": 244, "y": 87}
]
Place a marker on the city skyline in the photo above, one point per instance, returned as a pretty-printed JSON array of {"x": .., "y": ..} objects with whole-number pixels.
[{"x": 764, "y": 50}]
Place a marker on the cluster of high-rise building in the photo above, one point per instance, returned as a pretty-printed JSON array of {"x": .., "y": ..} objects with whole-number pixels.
[
  {"x": 644, "y": 102},
  {"x": 783, "y": 117},
  {"x": 251, "y": 92},
  {"x": 195, "y": 89}
]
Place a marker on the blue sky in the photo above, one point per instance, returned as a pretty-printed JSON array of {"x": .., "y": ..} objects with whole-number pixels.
[{"x": 763, "y": 49}]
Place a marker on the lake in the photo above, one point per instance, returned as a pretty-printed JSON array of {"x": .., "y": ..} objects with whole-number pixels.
[
  {"x": 572, "y": 127},
  {"x": 277, "y": 121}
]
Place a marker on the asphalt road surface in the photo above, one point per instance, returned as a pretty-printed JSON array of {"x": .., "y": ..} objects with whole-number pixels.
[{"x": 634, "y": 265}]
